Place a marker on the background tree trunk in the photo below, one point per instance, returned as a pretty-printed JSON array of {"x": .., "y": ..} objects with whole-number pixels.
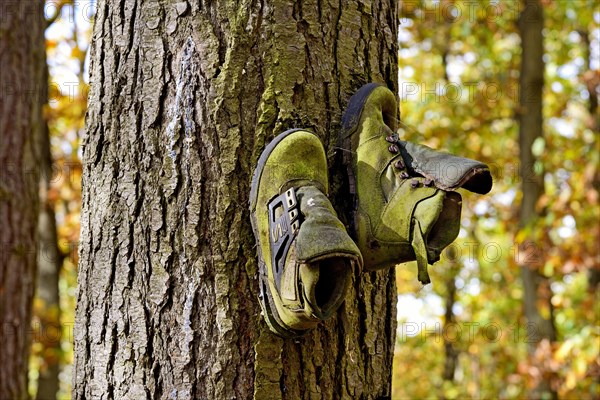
[
  {"x": 450, "y": 351},
  {"x": 592, "y": 80},
  {"x": 23, "y": 89},
  {"x": 536, "y": 287},
  {"x": 49, "y": 262},
  {"x": 184, "y": 98}
]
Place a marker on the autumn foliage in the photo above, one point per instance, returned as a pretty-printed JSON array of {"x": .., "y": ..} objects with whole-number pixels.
[{"x": 464, "y": 336}]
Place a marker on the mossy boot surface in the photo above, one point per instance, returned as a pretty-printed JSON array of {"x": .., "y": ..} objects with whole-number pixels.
[
  {"x": 405, "y": 207},
  {"x": 305, "y": 255}
]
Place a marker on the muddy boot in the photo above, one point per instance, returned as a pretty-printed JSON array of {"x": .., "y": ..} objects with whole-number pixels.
[
  {"x": 405, "y": 204},
  {"x": 305, "y": 255}
]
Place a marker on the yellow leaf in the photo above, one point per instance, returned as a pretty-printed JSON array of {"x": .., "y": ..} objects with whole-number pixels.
[{"x": 563, "y": 351}]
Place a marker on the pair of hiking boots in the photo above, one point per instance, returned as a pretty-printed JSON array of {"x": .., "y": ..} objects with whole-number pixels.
[{"x": 405, "y": 208}]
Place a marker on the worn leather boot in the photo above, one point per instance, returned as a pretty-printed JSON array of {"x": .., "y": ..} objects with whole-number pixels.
[
  {"x": 305, "y": 255},
  {"x": 405, "y": 206}
]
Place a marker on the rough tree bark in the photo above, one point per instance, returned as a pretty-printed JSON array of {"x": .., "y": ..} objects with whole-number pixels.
[
  {"x": 536, "y": 287},
  {"x": 22, "y": 89},
  {"x": 184, "y": 97}
]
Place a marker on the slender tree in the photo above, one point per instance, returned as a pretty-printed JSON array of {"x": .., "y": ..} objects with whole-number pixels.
[
  {"x": 536, "y": 286},
  {"x": 184, "y": 97},
  {"x": 451, "y": 353},
  {"x": 49, "y": 261},
  {"x": 591, "y": 78},
  {"x": 22, "y": 93}
]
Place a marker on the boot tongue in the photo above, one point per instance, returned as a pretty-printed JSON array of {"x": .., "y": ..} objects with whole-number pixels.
[
  {"x": 324, "y": 285},
  {"x": 309, "y": 276},
  {"x": 325, "y": 254},
  {"x": 296, "y": 295}
]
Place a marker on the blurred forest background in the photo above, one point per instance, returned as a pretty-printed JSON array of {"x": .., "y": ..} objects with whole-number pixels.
[{"x": 467, "y": 335}]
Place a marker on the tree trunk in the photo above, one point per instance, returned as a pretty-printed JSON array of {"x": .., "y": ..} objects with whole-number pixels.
[
  {"x": 49, "y": 263},
  {"x": 530, "y": 257},
  {"x": 47, "y": 294},
  {"x": 184, "y": 97},
  {"x": 591, "y": 78},
  {"x": 450, "y": 351},
  {"x": 22, "y": 86}
]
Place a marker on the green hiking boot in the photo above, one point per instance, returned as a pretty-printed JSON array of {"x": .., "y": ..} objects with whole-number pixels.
[
  {"x": 405, "y": 206},
  {"x": 305, "y": 256}
]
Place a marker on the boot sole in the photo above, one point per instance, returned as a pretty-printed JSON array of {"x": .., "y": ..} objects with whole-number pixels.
[
  {"x": 350, "y": 121},
  {"x": 265, "y": 298}
]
